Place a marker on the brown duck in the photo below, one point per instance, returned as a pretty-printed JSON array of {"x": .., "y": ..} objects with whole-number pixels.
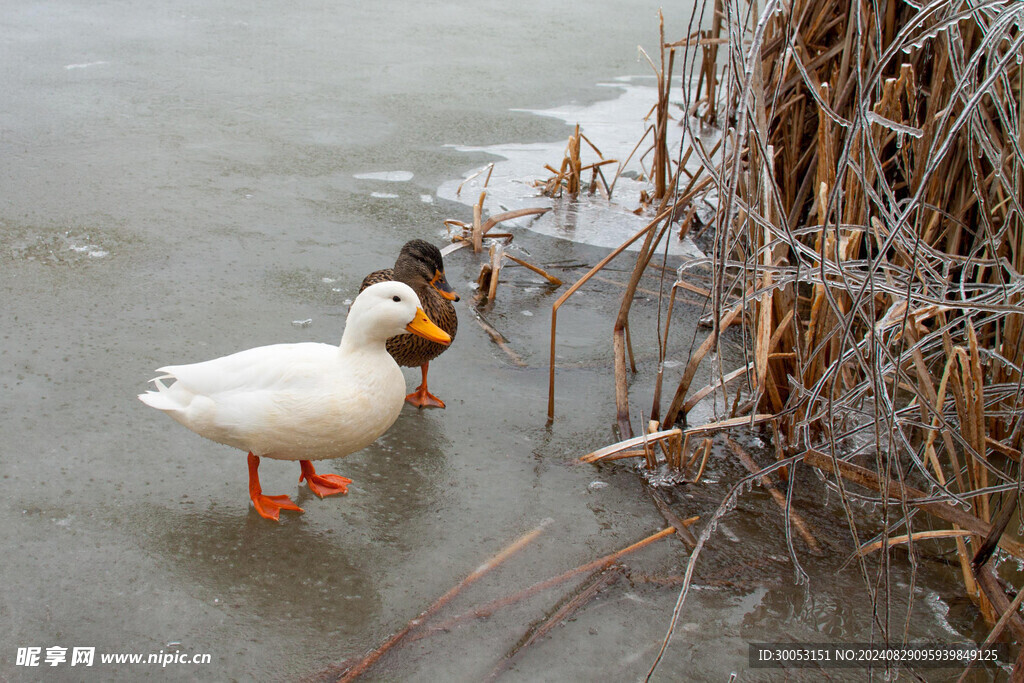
[{"x": 419, "y": 265}]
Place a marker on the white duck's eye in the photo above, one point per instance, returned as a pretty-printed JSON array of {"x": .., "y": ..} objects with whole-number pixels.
[{"x": 396, "y": 298}]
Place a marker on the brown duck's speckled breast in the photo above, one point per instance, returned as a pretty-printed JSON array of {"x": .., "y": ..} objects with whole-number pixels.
[{"x": 408, "y": 349}]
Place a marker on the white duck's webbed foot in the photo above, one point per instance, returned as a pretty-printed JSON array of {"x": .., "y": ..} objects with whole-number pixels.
[
  {"x": 323, "y": 484},
  {"x": 268, "y": 507}
]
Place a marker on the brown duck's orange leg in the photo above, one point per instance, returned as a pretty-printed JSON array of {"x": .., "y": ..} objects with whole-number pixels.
[
  {"x": 268, "y": 506},
  {"x": 421, "y": 398},
  {"x": 323, "y": 484}
]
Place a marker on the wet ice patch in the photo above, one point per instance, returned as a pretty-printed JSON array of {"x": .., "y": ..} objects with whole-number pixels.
[
  {"x": 82, "y": 244},
  {"x": 47, "y": 245},
  {"x": 661, "y": 476},
  {"x": 614, "y": 126},
  {"x": 386, "y": 176},
  {"x": 90, "y": 250}
]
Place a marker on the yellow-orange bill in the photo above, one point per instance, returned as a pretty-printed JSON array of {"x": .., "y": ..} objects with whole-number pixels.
[{"x": 422, "y": 326}]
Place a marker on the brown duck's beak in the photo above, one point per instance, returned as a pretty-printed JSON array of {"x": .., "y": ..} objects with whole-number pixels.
[
  {"x": 443, "y": 288},
  {"x": 421, "y": 326}
]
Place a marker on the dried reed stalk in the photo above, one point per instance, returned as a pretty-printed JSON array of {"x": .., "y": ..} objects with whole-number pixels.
[
  {"x": 600, "y": 564},
  {"x": 499, "y": 339},
  {"x": 672, "y": 436},
  {"x": 997, "y": 630},
  {"x": 552, "y": 280},
  {"x": 370, "y": 659},
  {"x": 600, "y": 581},
  {"x": 474, "y": 233},
  {"x": 510, "y": 215},
  {"x": 570, "y": 173},
  {"x": 478, "y": 232},
  {"x": 681, "y": 526},
  {"x": 496, "y": 252},
  {"x": 869, "y": 548},
  {"x": 794, "y": 517}
]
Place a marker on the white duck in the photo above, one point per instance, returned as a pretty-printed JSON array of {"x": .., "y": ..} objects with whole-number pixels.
[{"x": 304, "y": 401}]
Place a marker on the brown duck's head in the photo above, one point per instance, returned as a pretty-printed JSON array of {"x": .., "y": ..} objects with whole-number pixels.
[{"x": 419, "y": 265}]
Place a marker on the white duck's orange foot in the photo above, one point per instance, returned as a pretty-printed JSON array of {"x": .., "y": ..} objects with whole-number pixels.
[
  {"x": 268, "y": 507},
  {"x": 323, "y": 484}
]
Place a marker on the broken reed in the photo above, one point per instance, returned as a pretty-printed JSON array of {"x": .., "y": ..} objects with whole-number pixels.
[
  {"x": 569, "y": 176},
  {"x": 868, "y": 244}
]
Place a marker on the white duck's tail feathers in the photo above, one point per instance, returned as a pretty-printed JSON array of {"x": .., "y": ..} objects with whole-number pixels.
[
  {"x": 155, "y": 399},
  {"x": 161, "y": 398}
]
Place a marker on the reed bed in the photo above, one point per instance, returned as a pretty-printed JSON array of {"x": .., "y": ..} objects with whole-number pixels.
[{"x": 866, "y": 251}]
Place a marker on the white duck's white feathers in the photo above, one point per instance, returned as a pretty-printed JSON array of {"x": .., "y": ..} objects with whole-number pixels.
[{"x": 305, "y": 401}]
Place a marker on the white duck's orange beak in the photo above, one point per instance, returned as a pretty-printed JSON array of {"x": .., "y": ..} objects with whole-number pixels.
[{"x": 422, "y": 326}]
